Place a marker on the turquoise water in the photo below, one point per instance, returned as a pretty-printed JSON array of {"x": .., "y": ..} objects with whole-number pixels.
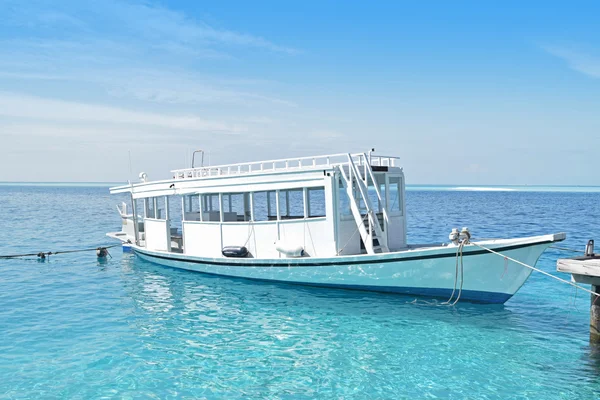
[{"x": 75, "y": 328}]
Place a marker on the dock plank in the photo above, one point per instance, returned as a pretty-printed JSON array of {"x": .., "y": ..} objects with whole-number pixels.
[{"x": 580, "y": 266}]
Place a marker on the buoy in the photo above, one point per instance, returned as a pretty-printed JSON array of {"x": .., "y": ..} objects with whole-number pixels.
[
  {"x": 101, "y": 252},
  {"x": 235, "y": 251},
  {"x": 289, "y": 250}
]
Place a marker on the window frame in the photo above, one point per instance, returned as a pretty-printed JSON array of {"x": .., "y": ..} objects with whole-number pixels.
[{"x": 400, "y": 210}]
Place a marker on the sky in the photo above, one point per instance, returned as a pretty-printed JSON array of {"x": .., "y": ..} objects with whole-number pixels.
[{"x": 464, "y": 92}]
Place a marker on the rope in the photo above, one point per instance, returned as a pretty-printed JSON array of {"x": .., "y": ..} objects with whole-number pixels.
[
  {"x": 538, "y": 270},
  {"x": 455, "y": 278},
  {"x": 311, "y": 240},
  {"x": 459, "y": 255},
  {"x": 43, "y": 254},
  {"x": 552, "y": 247},
  {"x": 250, "y": 231},
  {"x": 566, "y": 249}
]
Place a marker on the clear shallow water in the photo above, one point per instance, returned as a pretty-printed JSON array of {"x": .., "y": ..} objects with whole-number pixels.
[{"x": 74, "y": 328}]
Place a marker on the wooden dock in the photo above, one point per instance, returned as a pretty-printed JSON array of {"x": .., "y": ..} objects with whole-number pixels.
[{"x": 586, "y": 270}]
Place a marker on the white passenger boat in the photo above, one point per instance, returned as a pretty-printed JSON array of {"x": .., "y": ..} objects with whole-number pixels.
[{"x": 334, "y": 221}]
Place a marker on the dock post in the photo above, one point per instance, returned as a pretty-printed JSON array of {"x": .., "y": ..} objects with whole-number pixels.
[{"x": 595, "y": 316}]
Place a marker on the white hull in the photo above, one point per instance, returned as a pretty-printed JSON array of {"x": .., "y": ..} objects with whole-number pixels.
[{"x": 424, "y": 271}]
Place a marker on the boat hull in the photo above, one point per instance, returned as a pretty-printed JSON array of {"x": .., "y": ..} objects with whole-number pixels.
[{"x": 487, "y": 277}]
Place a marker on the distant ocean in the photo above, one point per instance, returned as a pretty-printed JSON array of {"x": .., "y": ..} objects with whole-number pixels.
[
  {"x": 412, "y": 187},
  {"x": 72, "y": 327},
  {"x": 507, "y": 188}
]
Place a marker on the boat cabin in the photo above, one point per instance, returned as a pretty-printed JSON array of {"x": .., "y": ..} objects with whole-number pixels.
[{"x": 325, "y": 206}]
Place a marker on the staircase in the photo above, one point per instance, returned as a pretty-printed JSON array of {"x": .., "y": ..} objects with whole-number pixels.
[{"x": 368, "y": 225}]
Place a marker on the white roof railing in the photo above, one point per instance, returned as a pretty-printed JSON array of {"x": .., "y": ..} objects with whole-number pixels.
[{"x": 296, "y": 163}]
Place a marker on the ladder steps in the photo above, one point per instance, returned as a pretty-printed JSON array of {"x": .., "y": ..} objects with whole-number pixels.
[{"x": 369, "y": 225}]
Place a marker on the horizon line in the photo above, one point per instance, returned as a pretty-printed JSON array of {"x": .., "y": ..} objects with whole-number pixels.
[{"x": 449, "y": 185}]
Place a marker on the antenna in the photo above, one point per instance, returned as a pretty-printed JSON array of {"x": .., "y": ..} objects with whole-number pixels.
[{"x": 130, "y": 170}]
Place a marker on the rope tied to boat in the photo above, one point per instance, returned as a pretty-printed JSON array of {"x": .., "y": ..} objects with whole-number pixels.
[
  {"x": 538, "y": 270},
  {"x": 459, "y": 256},
  {"x": 42, "y": 255},
  {"x": 567, "y": 249},
  {"x": 461, "y": 238}
]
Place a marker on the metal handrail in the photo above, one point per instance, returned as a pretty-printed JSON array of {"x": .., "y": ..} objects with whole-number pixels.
[
  {"x": 378, "y": 192},
  {"x": 272, "y": 165},
  {"x": 364, "y": 192}
]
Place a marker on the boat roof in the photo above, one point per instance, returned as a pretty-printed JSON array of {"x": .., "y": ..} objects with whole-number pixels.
[{"x": 189, "y": 180}]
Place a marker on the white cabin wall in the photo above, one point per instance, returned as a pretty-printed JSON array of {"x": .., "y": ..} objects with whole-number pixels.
[
  {"x": 347, "y": 243},
  {"x": 202, "y": 239},
  {"x": 208, "y": 240},
  {"x": 158, "y": 235},
  {"x": 396, "y": 233},
  {"x": 315, "y": 235},
  {"x": 263, "y": 240}
]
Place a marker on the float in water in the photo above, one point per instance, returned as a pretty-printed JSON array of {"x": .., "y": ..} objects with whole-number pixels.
[{"x": 334, "y": 221}]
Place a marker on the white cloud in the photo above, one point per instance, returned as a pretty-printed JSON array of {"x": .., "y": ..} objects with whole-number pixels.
[
  {"x": 160, "y": 23},
  {"x": 146, "y": 22},
  {"x": 185, "y": 88},
  {"x": 81, "y": 80},
  {"x": 577, "y": 60},
  {"x": 31, "y": 107}
]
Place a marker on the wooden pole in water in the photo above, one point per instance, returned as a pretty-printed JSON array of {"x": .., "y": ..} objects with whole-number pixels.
[{"x": 595, "y": 316}]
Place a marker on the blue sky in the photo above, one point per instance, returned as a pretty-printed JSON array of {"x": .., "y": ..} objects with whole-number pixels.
[{"x": 464, "y": 92}]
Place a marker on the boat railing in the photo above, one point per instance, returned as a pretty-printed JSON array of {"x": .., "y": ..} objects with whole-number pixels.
[{"x": 286, "y": 164}]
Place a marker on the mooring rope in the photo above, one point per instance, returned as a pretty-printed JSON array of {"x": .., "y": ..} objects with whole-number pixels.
[
  {"x": 43, "y": 254},
  {"x": 537, "y": 270},
  {"x": 567, "y": 249},
  {"x": 459, "y": 258}
]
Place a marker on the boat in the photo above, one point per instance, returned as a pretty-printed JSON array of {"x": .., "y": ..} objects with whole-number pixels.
[{"x": 336, "y": 221}]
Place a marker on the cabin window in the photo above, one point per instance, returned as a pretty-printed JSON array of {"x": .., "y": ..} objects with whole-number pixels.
[
  {"x": 265, "y": 206},
  {"x": 236, "y": 207},
  {"x": 211, "y": 207},
  {"x": 191, "y": 208},
  {"x": 150, "y": 209},
  {"x": 139, "y": 208},
  {"x": 316, "y": 202},
  {"x": 359, "y": 199},
  {"x": 395, "y": 194},
  {"x": 380, "y": 181},
  {"x": 291, "y": 204},
  {"x": 160, "y": 213},
  {"x": 155, "y": 207},
  {"x": 344, "y": 206},
  {"x": 175, "y": 214}
]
